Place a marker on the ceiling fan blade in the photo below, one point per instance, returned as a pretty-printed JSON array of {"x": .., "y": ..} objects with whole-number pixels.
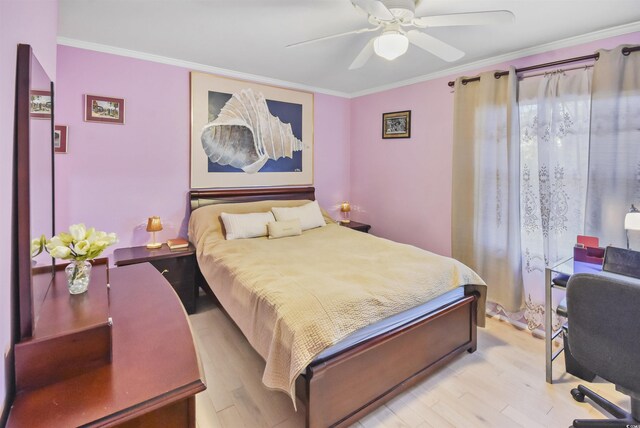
[
  {"x": 474, "y": 18},
  {"x": 363, "y": 56},
  {"x": 332, "y": 36},
  {"x": 435, "y": 46},
  {"x": 375, "y": 8}
]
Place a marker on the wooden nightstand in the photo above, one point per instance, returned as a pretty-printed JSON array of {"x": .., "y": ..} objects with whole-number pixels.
[
  {"x": 362, "y": 227},
  {"x": 179, "y": 267}
]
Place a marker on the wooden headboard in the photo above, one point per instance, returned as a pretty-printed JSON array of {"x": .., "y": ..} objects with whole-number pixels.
[{"x": 201, "y": 198}]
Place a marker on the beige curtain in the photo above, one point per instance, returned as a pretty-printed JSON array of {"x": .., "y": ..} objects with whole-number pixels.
[
  {"x": 486, "y": 198},
  {"x": 614, "y": 151}
]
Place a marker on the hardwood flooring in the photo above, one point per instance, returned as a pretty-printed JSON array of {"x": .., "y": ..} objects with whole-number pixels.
[{"x": 500, "y": 385}]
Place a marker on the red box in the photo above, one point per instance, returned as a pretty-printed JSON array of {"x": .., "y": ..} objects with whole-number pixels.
[{"x": 588, "y": 250}]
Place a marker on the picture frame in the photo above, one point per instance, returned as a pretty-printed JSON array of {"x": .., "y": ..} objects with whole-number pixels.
[
  {"x": 40, "y": 104},
  {"x": 248, "y": 134},
  {"x": 396, "y": 124},
  {"x": 102, "y": 109},
  {"x": 60, "y": 138}
]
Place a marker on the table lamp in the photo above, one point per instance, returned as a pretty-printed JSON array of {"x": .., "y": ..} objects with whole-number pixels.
[
  {"x": 632, "y": 222},
  {"x": 345, "y": 209},
  {"x": 154, "y": 225}
]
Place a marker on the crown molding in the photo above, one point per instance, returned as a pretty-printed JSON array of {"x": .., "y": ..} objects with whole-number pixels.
[
  {"x": 75, "y": 43},
  {"x": 559, "y": 44}
]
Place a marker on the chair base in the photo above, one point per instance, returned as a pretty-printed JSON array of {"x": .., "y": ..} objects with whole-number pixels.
[{"x": 622, "y": 417}]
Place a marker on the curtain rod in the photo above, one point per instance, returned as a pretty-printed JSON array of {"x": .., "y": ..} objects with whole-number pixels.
[{"x": 625, "y": 51}]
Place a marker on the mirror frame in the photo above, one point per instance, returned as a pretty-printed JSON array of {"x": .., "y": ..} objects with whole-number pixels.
[{"x": 24, "y": 306}]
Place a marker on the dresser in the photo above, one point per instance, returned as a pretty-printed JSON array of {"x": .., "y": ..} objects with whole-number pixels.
[{"x": 151, "y": 371}]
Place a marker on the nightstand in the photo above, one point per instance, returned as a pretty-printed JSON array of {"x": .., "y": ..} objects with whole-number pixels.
[
  {"x": 362, "y": 227},
  {"x": 179, "y": 267}
]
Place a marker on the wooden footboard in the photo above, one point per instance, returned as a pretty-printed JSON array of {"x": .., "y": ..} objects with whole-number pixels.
[{"x": 346, "y": 387}]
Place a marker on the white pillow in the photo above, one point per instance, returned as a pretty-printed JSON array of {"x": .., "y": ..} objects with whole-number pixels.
[
  {"x": 241, "y": 226},
  {"x": 309, "y": 215}
]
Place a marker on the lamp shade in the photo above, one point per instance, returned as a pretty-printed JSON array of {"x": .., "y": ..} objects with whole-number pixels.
[
  {"x": 345, "y": 207},
  {"x": 154, "y": 224},
  {"x": 390, "y": 45},
  {"x": 632, "y": 221}
]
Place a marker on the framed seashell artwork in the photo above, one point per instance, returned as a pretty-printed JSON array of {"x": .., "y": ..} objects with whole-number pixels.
[{"x": 246, "y": 134}]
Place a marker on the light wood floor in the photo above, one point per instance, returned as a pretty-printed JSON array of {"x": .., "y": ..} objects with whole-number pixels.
[{"x": 500, "y": 385}]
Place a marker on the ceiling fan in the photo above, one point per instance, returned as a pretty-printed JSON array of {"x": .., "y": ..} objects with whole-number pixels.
[{"x": 394, "y": 16}]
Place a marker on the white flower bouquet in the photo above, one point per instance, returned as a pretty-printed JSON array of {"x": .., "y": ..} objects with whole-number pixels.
[{"x": 79, "y": 245}]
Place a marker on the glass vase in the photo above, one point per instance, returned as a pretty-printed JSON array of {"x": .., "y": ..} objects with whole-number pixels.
[{"x": 78, "y": 275}]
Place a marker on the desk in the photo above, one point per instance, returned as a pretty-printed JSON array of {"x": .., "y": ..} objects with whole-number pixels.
[{"x": 565, "y": 268}]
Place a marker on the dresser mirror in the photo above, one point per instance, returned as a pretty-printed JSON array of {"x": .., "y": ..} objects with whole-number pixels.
[{"x": 33, "y": 186}]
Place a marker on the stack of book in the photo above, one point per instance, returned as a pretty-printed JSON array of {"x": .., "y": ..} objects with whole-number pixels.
[{"x": 177, "y": 244}]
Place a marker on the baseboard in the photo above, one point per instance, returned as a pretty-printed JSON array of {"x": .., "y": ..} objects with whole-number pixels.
[{"x": 537, "y": 333}]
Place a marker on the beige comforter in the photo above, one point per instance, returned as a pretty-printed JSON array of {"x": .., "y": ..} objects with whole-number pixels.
[{"x": 294, "y": 297}]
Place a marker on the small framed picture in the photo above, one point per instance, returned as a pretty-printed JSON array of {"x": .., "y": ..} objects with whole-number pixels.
[
  {"x": 60, "y": 138},
  {"x": 103, "y": 109},
  {"x": 396, "y": 124},
  {"x": 40, "y": 104}
]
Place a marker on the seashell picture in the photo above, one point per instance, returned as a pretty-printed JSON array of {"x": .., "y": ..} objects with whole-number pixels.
[{"x": 248, "y": 134}]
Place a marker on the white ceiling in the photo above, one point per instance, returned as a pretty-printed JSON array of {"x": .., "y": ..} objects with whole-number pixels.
[{"x": 249, "y": 36}]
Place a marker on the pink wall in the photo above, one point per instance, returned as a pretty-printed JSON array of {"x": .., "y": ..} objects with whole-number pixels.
[
  {"x": 403, "y": 187},
  {"x": 115, "y": 176},
  {"x": 332, "y": 151},
  {"x": 35, "y": 23}
]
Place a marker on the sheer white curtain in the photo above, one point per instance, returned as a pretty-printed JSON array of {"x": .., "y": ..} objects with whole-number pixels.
[
  {"x": 485, "y": 201},
  {"x": 614, "y": 169},
  {"x": 554, "y": 158}
]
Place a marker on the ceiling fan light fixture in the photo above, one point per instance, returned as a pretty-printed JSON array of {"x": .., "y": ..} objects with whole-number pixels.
[{"x": 390, "y": 45}]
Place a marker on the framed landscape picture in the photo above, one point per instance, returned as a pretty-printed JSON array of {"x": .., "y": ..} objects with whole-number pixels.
[
  {"x": 396, "y": 124},
  {"x": 103, "y": 109},
  {"x": 60, "y": 138},
  {"x": 246, "y": 134},
  {"x": 40, "y": 104}
]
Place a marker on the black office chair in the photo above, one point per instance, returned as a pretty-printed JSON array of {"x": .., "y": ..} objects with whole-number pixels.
[{"x": 604, "y": 318}]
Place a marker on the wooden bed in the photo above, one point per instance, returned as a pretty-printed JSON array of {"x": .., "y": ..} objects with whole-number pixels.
[{"x": 343, "y": 388}]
